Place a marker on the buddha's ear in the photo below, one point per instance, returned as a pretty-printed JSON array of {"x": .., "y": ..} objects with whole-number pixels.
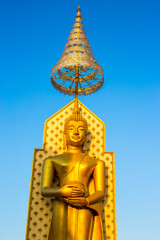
[
  {"x": 84, "y": 144},
  {"x": 64, "y": 142},
  {"x": 84, "y": 147}
]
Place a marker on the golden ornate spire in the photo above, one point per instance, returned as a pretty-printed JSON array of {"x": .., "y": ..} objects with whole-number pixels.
[{"x": 77, "y": 72}]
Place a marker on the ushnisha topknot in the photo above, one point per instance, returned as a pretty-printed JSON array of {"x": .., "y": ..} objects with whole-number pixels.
[{"x": 76, "y": 117}]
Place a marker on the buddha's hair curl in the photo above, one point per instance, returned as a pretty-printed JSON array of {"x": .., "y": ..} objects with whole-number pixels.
[{"x": 76, "y": 117}]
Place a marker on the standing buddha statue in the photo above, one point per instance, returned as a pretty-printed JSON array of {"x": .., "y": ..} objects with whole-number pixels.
[{"x": 74, "y": 207}]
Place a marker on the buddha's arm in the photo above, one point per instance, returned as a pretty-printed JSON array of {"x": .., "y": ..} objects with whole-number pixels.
[
  {"x": 98, "y": 176},
  {"x": 66, "y": 191},
  {"x": 47, "y": 179}
]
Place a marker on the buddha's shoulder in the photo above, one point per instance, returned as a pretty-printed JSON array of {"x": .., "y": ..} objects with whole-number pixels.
[
  {"x": 57, "y": 158},
  {"x": 94, "y": 160}
]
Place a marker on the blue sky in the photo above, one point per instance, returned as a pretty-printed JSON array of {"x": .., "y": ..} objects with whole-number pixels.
[{"x": 125, "y": 37}]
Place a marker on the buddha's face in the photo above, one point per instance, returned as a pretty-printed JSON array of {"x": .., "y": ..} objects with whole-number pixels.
[{"x": 75, "y": 133}]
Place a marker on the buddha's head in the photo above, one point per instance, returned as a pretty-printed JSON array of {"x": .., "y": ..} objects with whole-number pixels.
[{"x": 75, "y": 130}]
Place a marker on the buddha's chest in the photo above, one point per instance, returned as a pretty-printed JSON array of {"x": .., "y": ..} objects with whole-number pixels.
[{"x": 74, "y": 167}]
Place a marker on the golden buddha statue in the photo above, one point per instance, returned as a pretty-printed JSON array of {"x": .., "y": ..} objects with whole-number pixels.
[
  {"x": 71, "y": 201},
  {"x": 74, "y": 207}
]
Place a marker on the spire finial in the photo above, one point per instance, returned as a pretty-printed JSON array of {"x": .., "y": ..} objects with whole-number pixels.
[{"x": 78, "y": 12}]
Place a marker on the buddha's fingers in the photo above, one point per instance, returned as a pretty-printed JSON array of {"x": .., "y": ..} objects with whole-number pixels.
[
  {"x": 75, "y": 186},
  {"x": 78, "y": 190},
  {"x": 71, "y": 200},
  {"x": 81, "y": 201},
  {"x": 78, "y": 194},
  {"x": 74, "y": 199},
  {"x": 79, "y": 185}
]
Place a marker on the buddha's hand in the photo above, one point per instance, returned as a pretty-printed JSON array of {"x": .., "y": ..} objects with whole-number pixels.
[
  {"x": 78, "y": 202},
  {"x": 72, "y": 190}
]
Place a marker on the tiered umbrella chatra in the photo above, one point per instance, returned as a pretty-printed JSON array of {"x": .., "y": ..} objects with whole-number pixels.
[{"x": 77, "y": 72}]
